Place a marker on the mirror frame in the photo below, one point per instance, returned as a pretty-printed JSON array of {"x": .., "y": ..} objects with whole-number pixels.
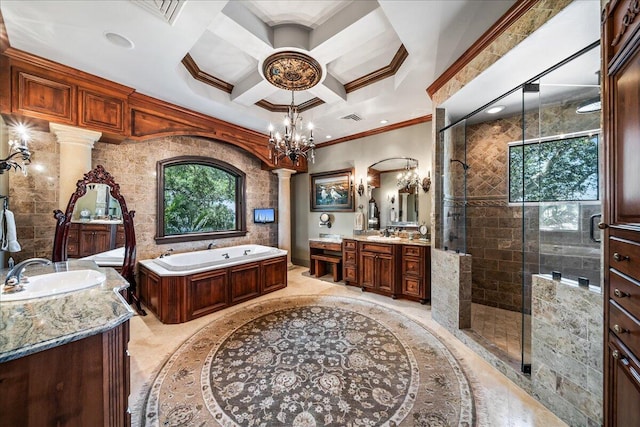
[{"x": 100, "y": 176}]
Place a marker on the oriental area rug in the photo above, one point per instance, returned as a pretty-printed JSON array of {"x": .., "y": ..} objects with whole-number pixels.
[{"x": 311, "y": 361}]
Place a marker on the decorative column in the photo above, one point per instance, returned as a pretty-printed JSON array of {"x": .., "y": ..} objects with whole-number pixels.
[
  {"x": 75, "y": 157},
  {"x": 284, "y": 210}
]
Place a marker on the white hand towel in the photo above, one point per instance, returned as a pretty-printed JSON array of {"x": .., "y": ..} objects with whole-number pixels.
[
  {"x": 359, "y": 221},
  {"x": 11, "y": 237}
]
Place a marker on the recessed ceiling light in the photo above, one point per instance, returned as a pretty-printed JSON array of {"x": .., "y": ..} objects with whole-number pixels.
[
  {"x": 119, "y": 40},
  {"x": 328, "y": 136},
  {"x": 384, "y": 121},
  {"x": 494, "y": 110}
]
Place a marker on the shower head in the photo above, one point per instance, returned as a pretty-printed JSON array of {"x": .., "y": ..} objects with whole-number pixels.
[{"x": 464, "y": 165}]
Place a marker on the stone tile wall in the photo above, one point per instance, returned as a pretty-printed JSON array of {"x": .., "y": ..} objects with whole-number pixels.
[
  {"x": 566, "y": 370},
  {"x": 451, "y": 293},
  {"x": 133, "y": 165}
]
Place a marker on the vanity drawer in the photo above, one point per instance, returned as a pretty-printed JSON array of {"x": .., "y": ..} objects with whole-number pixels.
[
  {"x": 350, "y": 244},
  {"x": 625, "y": 327},
  {"x": 625, "y": 291},
  {"x": 624, "y": 256},
  {"x": 411, "y": 250},
  {"x": 377, "y": 248},
  {"x": 412, "y": 266},
  {"x": 329, "y": 246},
  {"x": 349, "y": 257}
]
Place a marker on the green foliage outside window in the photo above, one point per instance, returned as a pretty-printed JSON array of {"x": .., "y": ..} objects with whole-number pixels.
[
  {"x": 557, "y": 170},
  {"x": 198, "y": 198}
]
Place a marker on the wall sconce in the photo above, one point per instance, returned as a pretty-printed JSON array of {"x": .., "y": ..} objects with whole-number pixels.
[
  {"x": 17, "y": 149},
  {"x": 361, "y": 188},
  {"x": 426, "y": 182}
]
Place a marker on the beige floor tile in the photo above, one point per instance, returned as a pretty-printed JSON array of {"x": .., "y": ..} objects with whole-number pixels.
[{"x": 501, "y": 402}]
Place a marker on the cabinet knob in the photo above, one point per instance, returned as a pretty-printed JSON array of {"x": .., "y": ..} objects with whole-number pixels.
[
  {"x": 602, "y": 225},
  {"x": 615, "y": 354},
  {"x": 619, "y": 329},
  {"x": 619, "y": 257},
  {"x": 617, "y": 292}
]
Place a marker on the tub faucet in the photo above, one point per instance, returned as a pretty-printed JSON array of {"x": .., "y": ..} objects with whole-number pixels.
[
  {"x": 14, "y": 276},
  {"x": 211, "y": 245},
  {"x": 167, "y": 253},
  {"x": 226, "y": 255},
  {"x": 246, "y": 251}
]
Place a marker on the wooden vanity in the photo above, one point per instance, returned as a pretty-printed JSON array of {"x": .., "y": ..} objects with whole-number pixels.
[
  {"x": 399, "y": 268},
  {"x": 88, "y": 238}
]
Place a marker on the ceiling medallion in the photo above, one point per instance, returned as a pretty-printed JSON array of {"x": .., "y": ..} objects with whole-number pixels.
[{"x": 292, "y": 70}]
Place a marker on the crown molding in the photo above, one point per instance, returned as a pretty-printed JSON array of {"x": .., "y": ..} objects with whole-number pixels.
[
  {"x": 383, "y": 129},
  {"x": 380, "y": 74},
  {"x": 281, "y": 108},
  {"x": 204, "y": 77},
  {"x": 514, "y": 13}
]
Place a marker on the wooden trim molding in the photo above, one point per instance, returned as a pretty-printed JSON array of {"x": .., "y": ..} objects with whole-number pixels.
[
  {"x": 380, "y": 74},
  {"x": 4, "y": 37},
  {"x": 205, "y": 77},
  {"x": 383, "y": 129},
  {"x": 281, "y": 108},
  {"x": 512, "y": 15}
]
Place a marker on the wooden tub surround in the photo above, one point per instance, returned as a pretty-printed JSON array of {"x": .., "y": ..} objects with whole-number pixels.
[{"x": 176, "y": 297}]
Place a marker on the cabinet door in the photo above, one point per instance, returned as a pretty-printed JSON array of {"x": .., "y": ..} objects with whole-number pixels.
[
  {"x": 385, "y": 273},
  {"x": 368, "y": 270},
  {"x": 206, "y": 293},
  {"x": 624, "y": 386},
  {"x": 245, "y": 282},
  {"x": 274, "y": 274}
]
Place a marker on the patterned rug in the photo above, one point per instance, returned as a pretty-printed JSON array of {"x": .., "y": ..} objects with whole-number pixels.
[{"x": 311, "y": 361}]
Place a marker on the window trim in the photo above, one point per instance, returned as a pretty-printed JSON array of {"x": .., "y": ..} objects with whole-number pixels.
[
  {"x": 241, "y": 196},
  {"x": 559, "y": 137}
]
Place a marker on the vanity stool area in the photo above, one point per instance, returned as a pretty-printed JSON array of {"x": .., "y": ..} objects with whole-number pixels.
[{"x": 390, "y": 266}]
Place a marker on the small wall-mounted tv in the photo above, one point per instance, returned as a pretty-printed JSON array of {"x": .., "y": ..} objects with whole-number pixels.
[{"x": 264, "y": 215}]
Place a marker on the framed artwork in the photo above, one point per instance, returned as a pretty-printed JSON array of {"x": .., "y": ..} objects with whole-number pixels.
[{"x": 332, "y": 191}]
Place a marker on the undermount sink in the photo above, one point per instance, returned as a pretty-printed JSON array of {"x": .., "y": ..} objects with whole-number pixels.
[
  {"x": 46, "y": 285},
  {"x": 383, "y": 238}
]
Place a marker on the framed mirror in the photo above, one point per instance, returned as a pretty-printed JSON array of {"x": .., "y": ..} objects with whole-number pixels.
[
  {"x": 97, "y": 225},
  {"x": 393, "y": 190}
]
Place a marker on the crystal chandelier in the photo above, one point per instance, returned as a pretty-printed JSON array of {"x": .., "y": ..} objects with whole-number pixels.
[
  {"x": 409, "y": 177},
  {"x": 17, "y": 149},
  {"x": 292, "y": 142}
]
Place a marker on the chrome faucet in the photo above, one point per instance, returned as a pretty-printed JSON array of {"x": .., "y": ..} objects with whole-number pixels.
[
  {"x": 14, "y": 276},
  {"x": 246, "y": 251},
  {"x": 166, "y": 253},
  {"x": 211, "y": 245},
  {"x": 226, "y": 255}
]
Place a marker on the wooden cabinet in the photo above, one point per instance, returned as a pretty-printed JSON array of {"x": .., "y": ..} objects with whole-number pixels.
[
  {"x": 81, "y": 383},
  {"x": 350, "y": 261},
  {"x": 377, "y": 268},
  {"x": 621, "y": 221},
  {"x": 90, "y": 239},
  {"x": 178, "y": 299},
  {"x": 416, "y": 276}
]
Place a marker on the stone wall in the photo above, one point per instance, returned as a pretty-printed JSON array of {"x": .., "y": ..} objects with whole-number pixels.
[
  {"x": 566, "y": 369},
  {"x": 133, "y": 166},
  {"x": 451, "y": 296}
]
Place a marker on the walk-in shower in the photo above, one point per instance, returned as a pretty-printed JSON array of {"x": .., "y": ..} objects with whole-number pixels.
[{"x": 520, "y": 194}]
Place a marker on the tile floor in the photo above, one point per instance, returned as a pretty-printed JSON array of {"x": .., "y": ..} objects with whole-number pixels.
[
  {"x": 503, "y": 328},
  {"x": 501, "y": 402}
]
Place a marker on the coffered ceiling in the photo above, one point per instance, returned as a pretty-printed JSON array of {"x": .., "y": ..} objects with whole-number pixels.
[{"x": 376, "y": 57}]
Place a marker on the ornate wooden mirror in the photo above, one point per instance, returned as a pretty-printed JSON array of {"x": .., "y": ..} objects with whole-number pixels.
[{"x": 98, "y": 210}]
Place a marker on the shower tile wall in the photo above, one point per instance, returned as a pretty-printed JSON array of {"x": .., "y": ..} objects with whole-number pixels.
[{"x": 495, "y": 229}]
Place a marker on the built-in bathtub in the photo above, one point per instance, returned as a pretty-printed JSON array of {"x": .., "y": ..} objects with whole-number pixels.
[
  {"x": 181, "y": 287},
  {"x": 192, "y": 262}
]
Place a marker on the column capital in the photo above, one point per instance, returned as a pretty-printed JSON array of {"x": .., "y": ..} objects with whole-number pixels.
[
  {"x": 284, "y": 173},
  {"x": 74, "y": 135}
]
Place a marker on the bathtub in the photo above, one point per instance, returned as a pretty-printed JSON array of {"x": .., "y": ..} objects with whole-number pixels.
[
  {"x": 181, "y": 287},
  {"x": 193, "y": 262}
]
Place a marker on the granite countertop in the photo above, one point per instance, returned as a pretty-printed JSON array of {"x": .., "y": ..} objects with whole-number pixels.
[
  {"x": 374, "y": 239},
  {"x": 30, "y": 326}
]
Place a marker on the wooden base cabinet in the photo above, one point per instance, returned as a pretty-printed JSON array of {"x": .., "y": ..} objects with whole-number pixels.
[
  {"x": 90, "y": 239},
  {"x": 377, "y": 268},
  {"x": 621, "y": 213},
  {"x": 416, "y": 273},
  {"x": 350, "y": 261},
  {"x": 178, "y": 299},
  {"x": 81, "y": 383}
]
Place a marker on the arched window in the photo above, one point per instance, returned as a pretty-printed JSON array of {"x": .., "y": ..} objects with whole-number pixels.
[{"x": 199, "y": 198}]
